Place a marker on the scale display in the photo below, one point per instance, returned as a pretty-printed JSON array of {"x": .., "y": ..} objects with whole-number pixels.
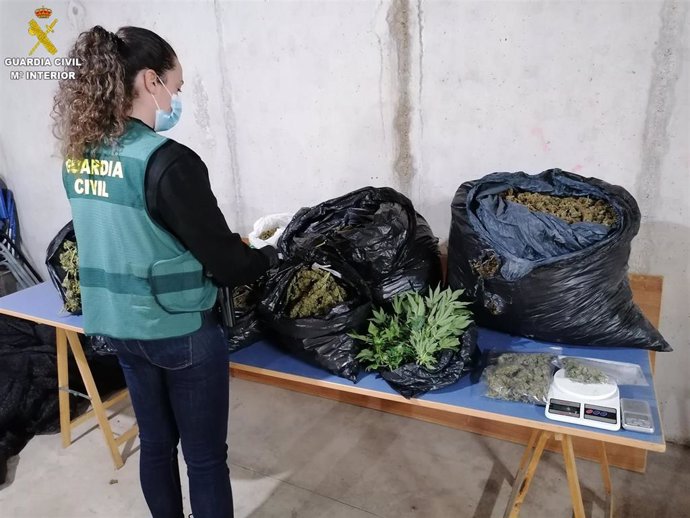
[
  {"x": 599, "y": 413},
  {"x": 596, "y": 405},
  {"x": 560, "y": 407}
]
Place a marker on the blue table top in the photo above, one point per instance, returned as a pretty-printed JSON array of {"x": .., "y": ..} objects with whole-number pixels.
[
  {"x": 465, "y": 394},
  {"x": 42, "y": 303}
]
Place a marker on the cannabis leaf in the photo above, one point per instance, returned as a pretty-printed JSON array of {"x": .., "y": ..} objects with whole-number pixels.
[{"x": 417, "y": 330}]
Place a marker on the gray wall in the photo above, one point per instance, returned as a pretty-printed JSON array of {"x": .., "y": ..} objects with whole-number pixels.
[{"x": 293, "y": 102}]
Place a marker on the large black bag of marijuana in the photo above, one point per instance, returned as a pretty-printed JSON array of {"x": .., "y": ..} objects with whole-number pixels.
[
  {"x": 375, "y": 230},
  {"x": 242, "y": 328},
  {"x": 533, "y": 274},
  {"x": 71, "y": 299},
  {"x": 412, "y": 380},
  {"x": 323, "y": 339},
  {"x": 56, "y": 271}
]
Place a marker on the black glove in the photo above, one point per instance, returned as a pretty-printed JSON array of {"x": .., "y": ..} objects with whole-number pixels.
[{"x": 271, "y": 254}]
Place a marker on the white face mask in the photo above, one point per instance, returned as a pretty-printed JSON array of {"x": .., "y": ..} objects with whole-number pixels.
[{"x": 166, "y": 120}]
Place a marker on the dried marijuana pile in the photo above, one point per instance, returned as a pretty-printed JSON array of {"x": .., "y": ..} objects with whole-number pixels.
[
  {"x": 570, "y": 209},
  {"x": 313, "y": 292},
  {"x": 240, "y": 297},
  {"x": 268, "y": 233},
  {"x": 524, "y": 377},
  {"x": 486, "y": 266},
  {"x": 576, "y": 370},
  {"x": 69, "y": 260}
]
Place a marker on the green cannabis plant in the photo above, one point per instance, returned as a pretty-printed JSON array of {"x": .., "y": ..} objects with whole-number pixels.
[
  {"x": 418, "y": 330},
  {"x": 69, "y": 260}
]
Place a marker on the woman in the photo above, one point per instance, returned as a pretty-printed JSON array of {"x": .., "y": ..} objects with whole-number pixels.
[{"x": 153, "y": 245}]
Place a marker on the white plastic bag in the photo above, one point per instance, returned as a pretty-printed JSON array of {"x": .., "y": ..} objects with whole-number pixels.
[{"x": 279, "y": 221}]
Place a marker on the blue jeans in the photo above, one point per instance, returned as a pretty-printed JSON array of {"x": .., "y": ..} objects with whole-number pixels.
[{"x": 179, "y": 389}]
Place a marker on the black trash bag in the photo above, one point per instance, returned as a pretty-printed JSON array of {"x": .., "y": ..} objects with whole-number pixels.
[
  {"x": 412, "y": 380},
  {"x": 533, "y": 274},
  {"x": 245, "y": 330},
  {"x": 55, "y": 270},
  {"x": 244, "y": 333},
  {"x": 323, "y": 340},
  {"x": 29, "y": 386},
  {"x": 97, "y": 345},
  {"x": 375, "y": 230}
]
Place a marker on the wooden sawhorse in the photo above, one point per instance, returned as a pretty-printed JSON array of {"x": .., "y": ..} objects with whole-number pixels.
[
  {"x": 42, "y": 304},
  {"x": 99, "y": 407},
  {"x": 528, "y": 466}
]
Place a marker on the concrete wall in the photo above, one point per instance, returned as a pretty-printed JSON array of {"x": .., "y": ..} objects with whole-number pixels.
[{"x": 293, "y": 102}]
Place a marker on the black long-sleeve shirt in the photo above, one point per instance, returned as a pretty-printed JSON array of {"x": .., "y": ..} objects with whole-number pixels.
[{"x": 179, "y": 198}]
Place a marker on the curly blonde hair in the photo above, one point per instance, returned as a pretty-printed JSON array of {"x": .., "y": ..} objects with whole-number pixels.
[{"x": 91, "y": 110}]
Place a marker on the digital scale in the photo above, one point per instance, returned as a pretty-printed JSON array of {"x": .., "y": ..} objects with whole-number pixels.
[{"x": 596, "y": 405}]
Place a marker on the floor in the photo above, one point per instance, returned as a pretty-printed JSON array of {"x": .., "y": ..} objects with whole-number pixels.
[{"x": 297, "y": 456}]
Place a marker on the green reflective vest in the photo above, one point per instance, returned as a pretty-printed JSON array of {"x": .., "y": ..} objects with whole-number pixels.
[{"x": 137, "y": 280}]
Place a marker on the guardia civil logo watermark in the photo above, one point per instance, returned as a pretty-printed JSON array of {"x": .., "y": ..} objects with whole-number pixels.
[{"x": 36, "y": 66}]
